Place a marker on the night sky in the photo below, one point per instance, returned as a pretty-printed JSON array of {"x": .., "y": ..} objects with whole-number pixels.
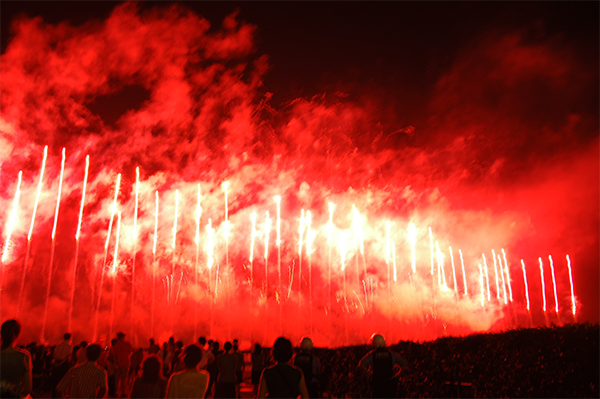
[{"x": 479, "y": 119}]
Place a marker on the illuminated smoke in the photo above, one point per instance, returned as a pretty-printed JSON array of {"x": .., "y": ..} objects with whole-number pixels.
[
  {"x": 12, "y": 218},
  {"x": 39, "y": 191},
  {"x": 526, "y": 285}
]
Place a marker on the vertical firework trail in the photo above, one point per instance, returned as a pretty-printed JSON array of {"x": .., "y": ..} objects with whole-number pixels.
[
  {"x": 387, "y": 256},
  {"x": 267, "y": 233},
  {"x": 462, "y": 264},
  {"x": 453, "y": 270},
  {"x": 77, "y": 234},
  {"x": 153, "y": 301},
  {"x": 135, "y": 236},
  {"x": 45, "y": 315},
  {"x": 103, "y": 269},
  {"x": 508, "y": 282},
  {"x": 573, "y": 303},
  {"x": 12, "y": 218},
  {"x": 543, "y": 284},
  {"x": 114, "y": 276},
  {"x": 278, "y": 243},
  {"x": 554, "y": 284},
  {"x": 225, "y": 187},
  {"x": 174, "y": 248},
  {"x": 197, "y": 241},
  {"x": 526, "y": 285},
  {"x": 35, "y": 205},
  {"x": 503, "y": 282},
  {"x": 496, "y": 275},
  {"x": 301, "y": 228},
  {"x": 487, "y": 280},
  {"x": 412, "y": 238}
]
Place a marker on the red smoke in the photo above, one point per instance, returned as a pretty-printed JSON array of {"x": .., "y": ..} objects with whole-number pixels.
[{"x": 506, "y": 156}]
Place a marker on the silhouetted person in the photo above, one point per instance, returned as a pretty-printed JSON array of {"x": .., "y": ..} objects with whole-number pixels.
[
  {"x": 227, "y": 364},
  {"x": 121, "y": 351},
  {"x": 207, "y": 355},
  {"x": 258, "y": 365},
  {"x": 15, "y": 363},
  {"x": 151, "y": 384},
  {"x": 380, "y": 363},
  {"x": 136, "y": 364},
  {"x": 87, "y": 380},
  {"x": 310, "y": 366},
  {"x": 213, "y": 368},
  {"x": 192, "y": 382},
  {"x": 282, "y": 380},
  {"x": 61, "y": 355},
  {"x": 111, "y": 367},
  {"x": 82, "y": 353},
  {"x": 239, "y": 368},
  {"x": 153, "y": 348}
]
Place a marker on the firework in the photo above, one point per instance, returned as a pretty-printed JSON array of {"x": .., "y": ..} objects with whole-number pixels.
[
  {"x": 462, "y": 263},
  {"x": 62, "y": 171},
  {"x": 487, "y": 280},
  {"x": 135, "y": 211},
  {"x": 508, "y": 282},
  {"x": 543, "y": 284},
  {"x": 113, "y": 210},
  {"x": 526, "y": 285},
  {"x": 441, "y": 271},
  {"x": 198, "y": 215},
  {"x": 210, "y": 244},
  {"x": 87, "y": 166},
  {"x": 453, "y": 270},
  {"x": 37, "y": 196},
  {"x": 267, "y": 233},
  {"x": 553, "y": 282},
  {"x": 573, "y": 303},
  {"x": 496, "y": 275},
  {"x": 12, "y": 217},
  {"x": 412, "y": 238},
  {"x": 115, "y": 257},
  {"x": 155, "y": 224},
  {"x": 503, "y": 282}
]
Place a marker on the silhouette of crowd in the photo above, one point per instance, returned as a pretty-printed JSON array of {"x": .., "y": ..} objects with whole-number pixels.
[{"x": 543, "y": 362}]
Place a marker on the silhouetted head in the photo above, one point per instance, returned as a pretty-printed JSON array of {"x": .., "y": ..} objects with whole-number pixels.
[
  {"x": 83, "y": 344},
  {"x": 306, "y": 344},
  {"x": 151, "y": 342},
  {"x": 67, "y": 336},
  {"x": 120, "y": 336},
  {"x": 257, "y": 348},
  {"x": 151, "y": 369},
  {"x": 227, "y": 346},
  {"x": 378, "y": 341},
  {"x": 113, "y": 341},
  {"x": 192, "y": 356},
  {"x": 10, "y": 331},
  {"x": 282, "y": 350},
  {"x": 93, "y": 352},
  {"x": 235, "y": 348},
  {"x": 202, "y": 341}
]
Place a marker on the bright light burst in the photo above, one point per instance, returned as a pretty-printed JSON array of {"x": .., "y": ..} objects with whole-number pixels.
[
  {"x": 12, "y": 219},
  {"x": 60, "y": 181},
  {"x": 85, "y": 178},
  {"x": 37, "y": 196},
  {"x": 526, "y": 285},
  {"x": 543, "y": 283},
  {"x": 553, "y": 282},
  {"x": 116, "y": 256}
]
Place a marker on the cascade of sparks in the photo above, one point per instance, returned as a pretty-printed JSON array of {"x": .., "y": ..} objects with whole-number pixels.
[
  {"x": 503, "y": 282},
  {"x": 278, "y": 239},
  {"x": 543, "y": 284},
  {"x": 453, "y": 270},
  {"x": 496, "y": 274},
  {"x": 85, "y": 178},
  {"x": 441, "y": 271},
  {"x": 267, "y": 233},
  {"x": 431, "y": 248},
  {"x": 60, "y": 181},
  {"x": 210, "y": 244},
  {"x": 252, "y": 238},
  {"x": 412, "y": 238},
  {"x": 154, "y": 264},
  {"x": 37, "y": 196},
  {"x": 481, "y": 285},
  {"x": 487, "y": 280},
  {"x": 508, "y": 282},
  {"x": 573, "y": 303},
  {"x": 462, "y": 263},
  {"x": 554, "y": 283},
  {"x": 116, "y": 256},
  {"x": 309, "y": 250},
  {"x": 526, "y": 285},
  {"x": 12, "y": 218},
  {"x": 301, "y": 229},
  {"x": 175, "y": 222}
]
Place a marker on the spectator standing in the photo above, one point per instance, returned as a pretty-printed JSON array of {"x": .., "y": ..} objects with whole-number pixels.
[
  {"x": 15, "y": 363},
  {"x": 226, "y": 380},
  {"x": 192, "y": 382},
  {"x": 310, "y": 366},
  {"x": 258, "y": 364},
  {"x": 282, "y": 380},
  {"x": 86, "y": 380},
  {"x": 380, "y": 363},
  {"x": 239, "y": 368},
  {"x": 61, "y": 355},
  {"x": 122, "y": 352},
  {"x": 136, "y": 364},
  {"x": 151, "y": 384}
]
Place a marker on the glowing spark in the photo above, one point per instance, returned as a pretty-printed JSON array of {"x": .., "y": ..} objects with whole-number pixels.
[
  {"x": 572, "y": 290},
  {"x": 176, "y": 214},
  {"x": 543, "y": 284},
  {"x": 37, "y": 196},
  {"x": 113, "y": 210},
  {"x": 210, "y": 244},
  {"x": 526, "y": 285},
  {"x": 496, "y": 274},
  {"x": 62, "y": 171},
  {"x": 508, "y": 282},
  {"x": 87, "y": 166},
  {"x": 267, "y": 233},
  {"x": 554, "y": 283},
  {"x": 388, "y": 245},
  {"x": 462, "y": 263},
  {"x": 198, "y": 215},
  {"x": 12, "y": 218},
  {"x": 431, "y": 248},
  {"x": 481, "y": 285},
  {"x": 310, "y": 235},
  {"x": 453, "y": 270},
  {"x": 155, "y": 224},
  {"x": 486, "y": 277},
  {"x": 412, "y": 238},
  {"x": 278, "y": 201},
  {"x": 503, "y": 282},
  {"x": 114, "y": 269},
  {"x": 394, "y": 262},
  {"x": 135, "y": 211},
  {"x": 252, "y": 236},
  {"x": 301, "y": 233},
  {"x": 441, "y": 271},
  {"x": 331, "y": 206}
]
